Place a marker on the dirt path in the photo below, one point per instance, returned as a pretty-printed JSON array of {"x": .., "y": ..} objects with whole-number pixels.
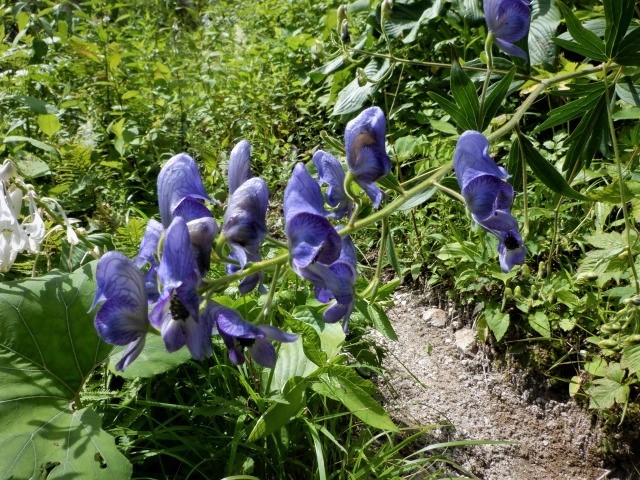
[{"x": 431, "y": 379}]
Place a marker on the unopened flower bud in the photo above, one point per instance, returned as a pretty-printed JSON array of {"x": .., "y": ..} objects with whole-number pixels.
[
  {"x": 525, "y": 271},
  {"x": 342, "y": 15},
  {"x": 586, "y": 277},
  {"x": 386, "y": 8},
  {"x": 508, "y": 293},
  {"x": 344, "y": 32},
  {"x": 361, "y": 75},
  {"x": 517, "y": 291},
  {"x": 542, "y": 270}
]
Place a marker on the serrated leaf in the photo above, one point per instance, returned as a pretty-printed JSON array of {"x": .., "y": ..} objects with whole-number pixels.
[
  {"x": 495, "y": 98},
  {"x": 629, "y": 48},
  {"x": 618, "y": 15},
  {"x": 153, "y": 360},
  {"x": 631, "y": 358},
  {"x": 585, "y": 41},
  {"x": 465, "y": 95},
  {"x": 546, "y": 172},
  {"x": 353, "y": 97},
  {"x": 605, "y": 393},
  {"x": 545, "y": 19},
  {"x": 355, "y": 398},
  {"x": 48, "y": 346}
]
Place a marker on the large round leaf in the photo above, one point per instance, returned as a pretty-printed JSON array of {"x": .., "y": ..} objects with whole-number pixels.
[{"x": 48, "y": 347}]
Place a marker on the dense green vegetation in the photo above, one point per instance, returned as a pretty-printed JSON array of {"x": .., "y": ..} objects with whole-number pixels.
[{"x": 96, "y": 95}]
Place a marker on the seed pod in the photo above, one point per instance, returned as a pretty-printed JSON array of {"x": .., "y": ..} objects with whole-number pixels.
[
  {"x": 542, "y": 270},
  {"x": 606, "y": 329},
  {"x": 361, "y": 75},
  {"x": 608, "y": 343},
  {"x": 586, "y": 277},
  {"x": 632, "y": 340},
  {"x": 517, "y": 291},
  {"x": 534, "y": 292},
  {"x": 525, "y": 271},
  {"x": 508, "y": 293}
]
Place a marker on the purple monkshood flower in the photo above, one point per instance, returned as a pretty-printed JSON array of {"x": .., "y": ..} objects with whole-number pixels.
[
  {"x": 313, "y": 242},
  {"x": 179, "y": 181},
  {"x": 239, "y": 165},
  {"x": 123, "y": 317},
  {"x": 488, "y": 196},
  {"x": 176, "y": 314},
  {"x": 366, "y": 153},
  {"x": 331, "y": 174},
  {"x": 508, "y": 21},
  {"x": 181, "y": 193},
  {"x": 239, "y": 334},
  {"x": 245, "y": 226},
  {"x": 345, "y": 271},
  {"x": 148, "y": 255}
]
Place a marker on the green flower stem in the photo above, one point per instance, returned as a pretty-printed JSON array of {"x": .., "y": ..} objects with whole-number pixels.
[
  {"x": 453, "y": 193},
  {"x": 487, "y": 79},
  {"x": 547, "y": 82},
  {"x": 618, "y": 162},
  {"x": 272, "y": 291},
  {"x": 525, "y": 205},
  {"x": 276, "y": 242},
  {"x": 381, "y": 251}
]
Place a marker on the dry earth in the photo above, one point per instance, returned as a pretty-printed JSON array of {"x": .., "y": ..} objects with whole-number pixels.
[{"x": 437, "y": 374}]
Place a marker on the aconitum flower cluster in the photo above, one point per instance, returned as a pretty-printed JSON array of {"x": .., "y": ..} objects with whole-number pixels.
[
  {"x": 17, "y": 236},
  {"x": 318, "y": 252},
  {"x": 160, "y": 287},
  {"x": 488, "y": 196},
  {"x": 508, "y": 21}
]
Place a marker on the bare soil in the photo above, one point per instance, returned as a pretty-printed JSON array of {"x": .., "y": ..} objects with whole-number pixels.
[{"x": 436, "y": 373}]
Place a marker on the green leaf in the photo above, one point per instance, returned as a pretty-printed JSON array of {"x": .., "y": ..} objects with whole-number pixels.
[
  {"x": 540, "y": 323},
  {"x": 452, "y": 110},
  {"x": 392, "y": 255},
  {"x": 48, "y": 347},
  {"x": 606, "y": 392},
  {"x": 33, "y": 103},
  {"x": 514, "y": 165},
  {"x": 629, "y": 48},
  {"x": 495, "y": 98},
  {"x": 32, "y": 141},
  {"x": 571, "y": 110},
  {"x": 31, "y": 167},
  {"x": 465, "y": 95},
  {"x": 546, "y": 172},
  {"x": 337, "y": 386},
  {"x": 545, "y": 19},
  {"x": 586, "y": 138},
  {"x": 353, "y": 97},
  {"x": 381, "y": 321},
  {"x": 618, "y": 15},
  {"x": 498, "y": 322},
  {"x": 427, "y": 15},
  {"x": 153, "y": 360},
  {"x": 279, "y": 414},
  {"x": 628, "y": 91},
  {"x": 311, "y": 343},
  {"x": 49, "y": 124},
  {"x": 585, "y": 41},
  {"x": 631, "y": 358}
]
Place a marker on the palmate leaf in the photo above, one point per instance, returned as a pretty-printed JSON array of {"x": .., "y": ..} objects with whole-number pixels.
[
  {"x": 48, "y": 347},
  {"x": 618, "y": 15},
  {"x": 585, "y": 42}
]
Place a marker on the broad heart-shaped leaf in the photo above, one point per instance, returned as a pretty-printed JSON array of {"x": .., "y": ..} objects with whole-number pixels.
[
  {"x": 153, "y": 360},
  {"x": 631, "y": 358},
  {"x": 545, "y": 18},
  {"x": 48, "y": 347},
  {"x": 497, "y": 321},
  {"x": 545, "y": 172}
]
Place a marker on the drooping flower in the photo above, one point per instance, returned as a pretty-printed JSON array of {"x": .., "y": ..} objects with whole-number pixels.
[
  {"x": 245, "y": 226},
  {"x": 179, "y": 181},
  {"x": 508, "y": 21},
  {"x": 181, "y": 193},
  {"x": 345, "y": 271},
  {"x": 331, "y": 174},
  {"x": 123, "y": 317},
  {"x": 176, "y": 314},
  {"x": 13, "y": 239},
  {"x": 239, "y": 165},
  {"x": 33, "y": 226},
  {"x": 239, "y": 334},
  {"x": 313, "y": 242},
  {"x": 148, "y": 255},
  {"x": 366, "y": 153},
  {"x": 487, "y": 195}
]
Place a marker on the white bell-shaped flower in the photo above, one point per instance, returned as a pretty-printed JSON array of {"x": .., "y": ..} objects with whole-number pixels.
[{"x": 33, "y": 226}]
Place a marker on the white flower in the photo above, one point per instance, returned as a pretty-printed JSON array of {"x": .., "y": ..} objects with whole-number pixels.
[
  {"x": 34, "y": 226},
  {"x": 12, "y": 238},
  {"x": 7, "y": 171}
]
